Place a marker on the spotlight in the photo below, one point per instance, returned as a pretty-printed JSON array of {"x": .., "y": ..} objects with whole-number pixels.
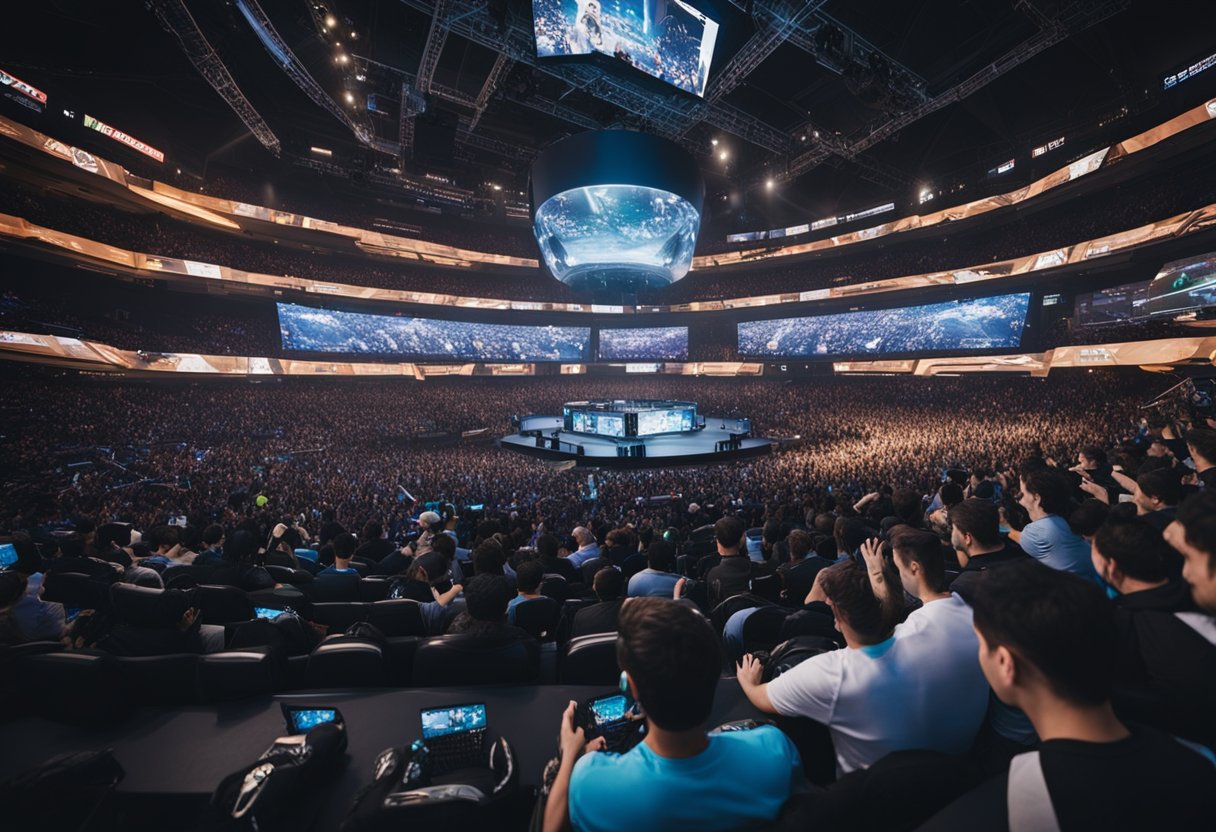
[
  {"x": 350, "y": 99},
  {"x": 498, "y": 187},
  {"x": 769, "y": 183},
  {"x": 342, "y": 58},
  {"x": 714, "y": 142},
  {"x": 331, "y": 22},
  {"x": 723, "y": 156}
]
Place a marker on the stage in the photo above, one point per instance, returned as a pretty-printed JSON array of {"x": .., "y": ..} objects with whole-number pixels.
[{"x": 719, "y": 441}]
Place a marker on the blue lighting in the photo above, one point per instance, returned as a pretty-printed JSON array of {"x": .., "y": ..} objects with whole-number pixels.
[{"x": 632, "y": 230}]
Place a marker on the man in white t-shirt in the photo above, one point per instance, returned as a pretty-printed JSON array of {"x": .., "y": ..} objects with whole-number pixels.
[{"x": 917, "y": 687}]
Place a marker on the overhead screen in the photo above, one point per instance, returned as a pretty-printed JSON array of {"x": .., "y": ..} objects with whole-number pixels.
[
  {"x": 979, "y": 324},
  {"x": 307, "y": 329},
  {"x": 1183, "y": 286},
  {"x": 657, "y": 343},
  {"x": 667, "y": 39},
  {"x": 1109, "y": 306}
]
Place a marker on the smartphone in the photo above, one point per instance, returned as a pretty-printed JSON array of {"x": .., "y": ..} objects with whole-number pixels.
[
  {"x": 8, "y": 555},
  {"x": 267, "y": 613},
  {"x": 70, "y": 614},
  {"x": 455, "y": 719},
  {"x": 609, "y": 709},
  {"x": 301, "y": 719}
]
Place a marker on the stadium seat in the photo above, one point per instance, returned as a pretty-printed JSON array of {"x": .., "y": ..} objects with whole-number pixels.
[
  {"x": 555, "y": 586},
  {"x": 161, "y": 680},
  {"x": 762, "y": 629},
  {"x": 235, "y": 675},
  {"x": 80, "y": 687},
  {"x": 538, "y": 617},
  {"x": 287, "y": 575},
  {"x": 728, "y": 607},
  {"x": 137, "y": 605},
  {"x": 222, "y": 604},
  {"x": 338, "y": 615},
  {"x": 469, "y": 660},
  {"x": 73, "y": 589},
  {"x": 345, "y": 663},
  {"x": 589, "y": 660},
  {"x": 768, "y": 587},
  {"x": 326, "y": 588},
  {"x": 397, "y": 618},
  {"x": 633, "y": 565},
  {"x": 374, "y": 589}
]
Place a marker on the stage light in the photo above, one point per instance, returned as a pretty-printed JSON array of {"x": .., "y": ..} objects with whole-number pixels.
[
  {"x": 714, "y": 142},
  {"x": 769, "y": 183},
  {"x": 331, "y": 22},
  {"x": 350, "y": 99},
  {"x": 322, "y": 151},
  {"x": 723, "y": 156},
  {"x": 497, "y": 187},
  {"x": 343, "y": 59}
]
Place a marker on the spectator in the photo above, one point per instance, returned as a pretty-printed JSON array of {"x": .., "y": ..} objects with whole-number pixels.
[
  {"x": 733, "y": 574},
  {"x": 527, "y": 577},
  {"x": 677, "y": 776},
  {"x": 1048, "y": 646},
  {"x": 485, "y": 613},
  {"x": 656, "y": 580},
  {"x": 213, "y": 540},
  {"x": 601, "y": 617},
  {"x": 1048, "y": 538},
  {"x": 1201, "y": 443},
  {"x": 587, "y": 547},
  {"x": 798, "y": 575},
  {"x": 978, "y": 542},
  {"x": 344, "y": 547},
  {"x": 1156, "y": 496}
]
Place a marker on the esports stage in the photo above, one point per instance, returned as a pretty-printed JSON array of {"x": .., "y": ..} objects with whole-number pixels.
[{"x": 634, "y": 434}]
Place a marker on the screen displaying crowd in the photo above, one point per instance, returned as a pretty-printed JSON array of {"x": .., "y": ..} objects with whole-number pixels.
[
  {"x": 986, "y": 323},
  {"x": 1183, "y": 285},
  {"x": 667, "y": 39},
  {"x": 654, "y": 343},
  {"x": 307, "y": 329}
]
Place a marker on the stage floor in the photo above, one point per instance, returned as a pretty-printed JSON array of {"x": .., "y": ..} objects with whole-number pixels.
[{"x": 698, "y": 448}]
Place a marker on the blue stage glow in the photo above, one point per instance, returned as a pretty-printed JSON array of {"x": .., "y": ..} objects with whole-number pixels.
[
  {"x": 307, "y": 329},
  {"x": 978, "y": 324},
  {"x": 647, "y": 232}
]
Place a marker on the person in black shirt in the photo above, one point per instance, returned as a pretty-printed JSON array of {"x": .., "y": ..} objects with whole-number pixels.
[
  {"x": 1202, "y": 445},
  {"x": 1048, "y": 646},
  {"x": 547, "y": 548},
  {"x": 798, "y": 575},
  {"x": 733, "y": 574},
  {"x": 485, "y": 613},
  {"x": 373, "y": 548},
  {"x": 1156, "y": 496},
  {"x": 977, "y": 540},
  {"x": 602, "y": 617}
]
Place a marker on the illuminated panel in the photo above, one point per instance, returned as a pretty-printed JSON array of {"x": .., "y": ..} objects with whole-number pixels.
[
  {"x": 667, "y": 39},
  {"x": 20, "y": 86},
  {"x": 616, "y": 210},
  {"x": 308, "y": 329},
  {"x": 119, "y": 136},
  {"x": 672, "y": 420},
  {"x": 1183, "y": 286},
  {"x": 980, "y": 324},
  {"x": 646, "y": 343}
]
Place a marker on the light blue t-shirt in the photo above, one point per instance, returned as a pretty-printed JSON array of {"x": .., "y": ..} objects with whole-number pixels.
[
  {"x": 1052, "y": 542},
  {"x": 742, "y": 779},
  {"x": 651, "y": 583}
]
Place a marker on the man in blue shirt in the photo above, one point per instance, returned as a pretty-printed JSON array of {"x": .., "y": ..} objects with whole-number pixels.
[
  {"x": 656, "y": 580},
  {"x": 344, "y": 545},
  {"x": 587, "y": 547},
  {"x": 679, "y": 777},
  {"x": 1047, "y": 537}
]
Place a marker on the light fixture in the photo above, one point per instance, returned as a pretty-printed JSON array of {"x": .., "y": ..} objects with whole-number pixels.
[
  {"x": 723, "y": 156},
  {"x": 331, "y": 22},
  {"x": 769, "y": 183},
  {"x": 350, "y": 99},
  {"x": 714, "y": 142}
]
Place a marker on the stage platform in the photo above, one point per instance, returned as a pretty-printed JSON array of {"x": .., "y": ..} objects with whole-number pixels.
[{"x": 703, "y": 447}]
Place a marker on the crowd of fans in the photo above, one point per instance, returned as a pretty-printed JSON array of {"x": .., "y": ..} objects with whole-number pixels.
[{"x": 916, "y": 589}]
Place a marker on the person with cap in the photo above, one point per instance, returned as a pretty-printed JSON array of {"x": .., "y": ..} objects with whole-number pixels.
[
  {"x": 587, "y": 547},
  {"x": 430, "y": 524}
]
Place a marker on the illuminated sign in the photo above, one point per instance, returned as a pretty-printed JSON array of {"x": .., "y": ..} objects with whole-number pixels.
[
  {"x": 1047, "y": 148},
  {"x": 22, "y": 87},
  {"x": 119, "y": 136},
  {"x": 1187, "y": 72}
]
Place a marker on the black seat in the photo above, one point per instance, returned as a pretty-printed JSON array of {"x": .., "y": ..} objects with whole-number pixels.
[
  {"x": 78, "y": 687},
  {"x": 162, "y": 680},
  {"x": 398, "y": 618},
  {"x": 374, "y": 589},
  {"x": 589, "y": 660},
  {"x": 555, "y": 586},
  {"x": 762, "y": 630},
  {"x": 73, "y": 589},
  {"x": 344, "y": 663},
  {"x": 767, "y": 587},
  {"x": 140, "y": 606},
  {"x": 729, "y": 606},
  {"x": 538, "y": 617},
  {"x": 338, "y": 615},
  {"x": 222, "y": 604},
  {"x": 235, "y": 674},
  {"x": 287, "y": 575},
  {"x": 633, "y": 564},
  {"x": 472, "y": 660},
  {"x": 334, "y": 587}
]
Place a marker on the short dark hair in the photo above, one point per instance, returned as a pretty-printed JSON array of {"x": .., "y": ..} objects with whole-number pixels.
[
  {"x": 952, "y": 494},
  {"x": 608, "y": 584},
  {"x": 12, "y": 587},
  {"x": 240, "y": 546},
  {"x": 213, "y": 534},
  {"x": 978, "y": 518},
  {"x": 848, "y": 587},
  {"x": 1059, "y": 622},
  {"x": 907, "y": 505},
  {"x": 528, "y": 575},
  {"x": 1136, "y": 547},
  {"x": 1095, "y": 453},
  {"x": 661, "y": 555},
  {"x": 159, "y": 536},
  {"x": 800, "y": 543},
  {"x": 546, "y": 546},
  {"x": 1051, "y": 487},
  {"x": 852, "y": 532},
  {"x": 1088, "y": 517},
  {"x": 673, "y": 658},
  {"x": 1204, "y": 441},
  {"x": 345, "y": 545},
  {"x": 1197, "y": 516},
  {"x": 486, "y": 597},
  {"x": 1162, "y": 483},
  {"x": 444, "y": 545},
  {"x": 924, "y": 548},
  {"x": 728, "y": 531},
  {"x": 372, "y": 530}
]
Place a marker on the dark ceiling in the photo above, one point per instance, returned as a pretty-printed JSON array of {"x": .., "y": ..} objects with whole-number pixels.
[{"x": 1100, "y": 82}]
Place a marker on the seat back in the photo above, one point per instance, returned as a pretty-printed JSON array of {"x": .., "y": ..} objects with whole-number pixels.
[
  {"x": 555, "y": 586},
  {"x": 222, "y": 604},
  {"x": 398, "y": 618},
  {"x": 332, "y": 587},
  {"x": 235, "y": 674},
  {"x": 73, "y": 589},
  {"x": 345, "y": 663},
  {"x": 589, "y": 660},
  {"x": 633, "y": 564},
  {"x": 538, "y": 617},
  {"x": 287, "y": 575},
  {"x": 79, "y": 687},
  {"x": 140, "y": 606},
  {"x": 159, "y": 680},
  {"x": 338, "y": 615},
  {"x": 374, "y": 589},
  {"x": 471, "y": 660}
]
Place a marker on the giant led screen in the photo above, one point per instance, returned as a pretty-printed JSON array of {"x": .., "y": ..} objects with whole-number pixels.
[
  {"x": 586, "y": 232},
  {"x": 979, "y": 324},
  {"x": 1183, "y": 286},
  {"x": 667, "y": 39},
  {"x": 672, "y": 420},
  {"x": 656, "y": 343},
  {"x": 308, "y": 329}
]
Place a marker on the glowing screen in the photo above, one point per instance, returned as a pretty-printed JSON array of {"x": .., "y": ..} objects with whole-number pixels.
[
  {"x": 656, "y": 342},
  {"x": 651, "y": 422},
  {"x": 979, "y": 324},
  {"x": 307, "y": 329},
  {"x": 667, "y": 39}
]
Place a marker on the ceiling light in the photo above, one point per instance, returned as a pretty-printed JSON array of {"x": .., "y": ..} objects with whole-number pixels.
[
  {"x": 350, "y": 99},
  {"x": 331, "y": 22},
  {"x": 343, "y": 59},
  {"x": 714, "y": 142},
  {"x": 723, "y": 156},
  {"x": 769, "y": 183}
]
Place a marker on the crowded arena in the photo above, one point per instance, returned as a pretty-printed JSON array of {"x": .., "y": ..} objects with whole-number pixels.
[{"x": 637, "y": 415}]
